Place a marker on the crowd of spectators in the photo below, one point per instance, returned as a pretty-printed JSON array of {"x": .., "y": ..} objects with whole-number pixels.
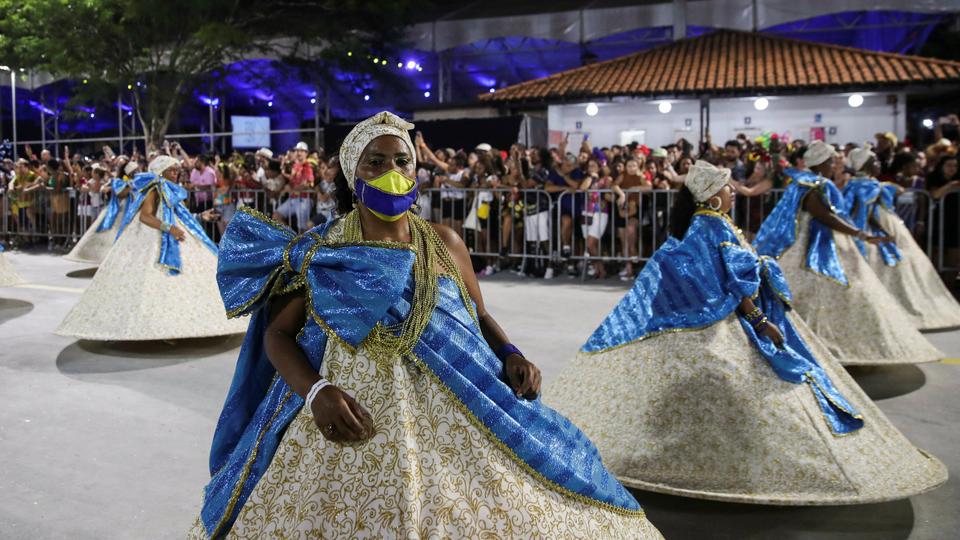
[{"x": 571, "y": 208}]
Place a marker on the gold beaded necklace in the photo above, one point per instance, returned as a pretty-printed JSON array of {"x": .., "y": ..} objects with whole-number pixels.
[{"x": 388, "y": 341}]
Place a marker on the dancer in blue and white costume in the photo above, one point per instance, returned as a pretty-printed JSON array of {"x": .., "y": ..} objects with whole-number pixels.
[
  {"x": 158, "y": 282},
  {"x": 703, "y": 383},
  {"x": 8, "y": 276},
  {"x": 369, "y": 401},
  {"x": 901, "y": 265},
  {"x": 836, "y": 292},
  {"x": 100, "y": 236}
]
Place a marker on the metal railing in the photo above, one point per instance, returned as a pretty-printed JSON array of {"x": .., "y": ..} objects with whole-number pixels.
[{"x": 530, "y": 227}]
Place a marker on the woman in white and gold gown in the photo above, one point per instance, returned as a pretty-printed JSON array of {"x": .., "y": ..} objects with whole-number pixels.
[
  {"x": 374, "y": 397},
  {"x": 100, "y": 236},
  {"x": 8, "y": 276},
  {"x": 902, "y": 266},
  {"x": 702, "y": 383},
  {"x": 836, "y": 292},
  {"x": 158, "y": 282}
]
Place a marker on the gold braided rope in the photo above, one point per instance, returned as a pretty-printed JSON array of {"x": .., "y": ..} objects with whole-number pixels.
[{"x": 398, "y": 340}]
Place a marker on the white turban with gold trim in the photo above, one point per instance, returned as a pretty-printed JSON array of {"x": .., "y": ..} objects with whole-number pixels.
[
  {"x": 382, "y": 123},
  {"x": 817, "y": 153},
  {"x": 705, "y": 180},
  {"x": 161, "y": 163}
]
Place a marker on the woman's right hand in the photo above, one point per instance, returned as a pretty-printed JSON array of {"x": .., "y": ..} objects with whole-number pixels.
[
  {"x": 771, "y": 331},
  {"x": 178, "y": 233},
  {"x": 339, "y": 417}
]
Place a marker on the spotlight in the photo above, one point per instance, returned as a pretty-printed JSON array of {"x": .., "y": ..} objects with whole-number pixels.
[
  {"x": 761, "y": 104},
  {"x": 85, "y": 81},
  {"x": 349, "y": 53},
  {"x": 419, "y": 67},
  {"x": 376, "y": 60},
  {"x": 928, "y": 123},
  {"x": 492, "y": 90},
  {"x": 855, "y": 100},
  {"x": 92, "y": 115},
  {"x": 399, "y": 65},
  {"x": 269, "y": 104},
  {"x": 592, "y": 109},
  {"x": 313, "y": 101},
  {"x": 411, "y": 64},
  {"x": 665, "y": 107},
  {"x": 426, "y": 94},
  {"x": 129, "y": 87},
  {"x": 366, "y": 97}
]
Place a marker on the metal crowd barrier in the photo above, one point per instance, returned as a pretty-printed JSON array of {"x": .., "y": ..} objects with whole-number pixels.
[
  {"x": 947, "y": 254},
  {"x": 531, "y": 227}
]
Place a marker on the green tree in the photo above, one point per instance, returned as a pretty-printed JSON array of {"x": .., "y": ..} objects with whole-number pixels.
[{"x": 173, "y": 46}]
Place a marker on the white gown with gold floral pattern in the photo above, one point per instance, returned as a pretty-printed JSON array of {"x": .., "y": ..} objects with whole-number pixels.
[
  {"x": 861, "y": 324},
  {"x": 702, "y": 414},
  {"x": 94, "y": 246},
  {"x": 428, "y": 472},
  {"x": 131, "y": 297},
  {"x": 8, "y": 276},
  {"x": 914, "y": 281}
]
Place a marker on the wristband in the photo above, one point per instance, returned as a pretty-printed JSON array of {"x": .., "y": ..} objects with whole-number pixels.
[
  {"x": 165, "y": 227},
  {"x": 314, "y": 390},
  {"x": 506, "y": 350},
  {"x": 761, "y": 325}
]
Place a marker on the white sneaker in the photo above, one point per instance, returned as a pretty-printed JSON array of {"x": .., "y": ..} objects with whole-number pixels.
[
  {"x": 489, "y": 270},
  {"x": 548, "y": 274}
]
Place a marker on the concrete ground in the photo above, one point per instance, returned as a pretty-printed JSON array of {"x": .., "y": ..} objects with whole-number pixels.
[{"x": 104, "y": 441}]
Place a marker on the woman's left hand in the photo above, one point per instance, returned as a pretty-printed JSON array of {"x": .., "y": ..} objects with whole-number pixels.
[{"x": 523, "y": 376}]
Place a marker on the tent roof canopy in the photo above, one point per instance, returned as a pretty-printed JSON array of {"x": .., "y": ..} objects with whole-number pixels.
[{"x": 730, "y": 62}]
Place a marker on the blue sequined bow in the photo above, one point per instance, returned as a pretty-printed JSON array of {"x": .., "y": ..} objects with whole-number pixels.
[
  {"x": 359, "y": 282},
  {"x": 172, "y": 209},
  {"x": 780, "y": 230},
  {"x": 864, "y": 197},
  {"x": 117, "y": 185}
]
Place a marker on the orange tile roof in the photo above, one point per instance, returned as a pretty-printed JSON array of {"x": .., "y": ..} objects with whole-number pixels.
[{"x": 733, "y": 62}]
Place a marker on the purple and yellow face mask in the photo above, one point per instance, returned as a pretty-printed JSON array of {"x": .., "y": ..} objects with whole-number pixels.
[{"x": 387, "y": 196}]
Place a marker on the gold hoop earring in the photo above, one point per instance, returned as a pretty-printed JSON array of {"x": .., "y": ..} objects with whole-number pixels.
[{"x": 719, "y": 203}]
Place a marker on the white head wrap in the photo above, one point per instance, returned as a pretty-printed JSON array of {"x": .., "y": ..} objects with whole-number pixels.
[
  {"x": 705, "y": 180},
  {"x": 859, "y": 157},
  {"x": 817, "y": 153},
  {"x": 265, "y": 152},
  {"x": 130, "y": 168},
  {"x": 162, "y": 163},
  {"x": 382, "y": 123}
]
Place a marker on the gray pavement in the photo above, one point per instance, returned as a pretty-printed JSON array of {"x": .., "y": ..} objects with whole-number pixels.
[{"x": 102, "y": 441}]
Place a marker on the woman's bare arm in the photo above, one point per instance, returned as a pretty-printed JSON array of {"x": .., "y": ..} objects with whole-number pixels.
[{"x": 524, "y": 377}]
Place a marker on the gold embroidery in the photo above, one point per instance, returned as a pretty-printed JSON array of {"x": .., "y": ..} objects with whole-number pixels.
[{"x": 235, "y": 495}]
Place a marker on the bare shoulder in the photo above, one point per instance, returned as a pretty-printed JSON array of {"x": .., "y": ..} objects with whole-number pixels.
[{"x": 449, "y": 237}]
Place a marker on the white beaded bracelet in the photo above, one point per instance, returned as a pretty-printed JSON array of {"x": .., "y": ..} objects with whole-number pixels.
[{"x": 314, "y": 390}]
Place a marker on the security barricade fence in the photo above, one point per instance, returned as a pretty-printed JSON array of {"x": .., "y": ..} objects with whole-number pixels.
[{"x": 529, "y": 228}]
